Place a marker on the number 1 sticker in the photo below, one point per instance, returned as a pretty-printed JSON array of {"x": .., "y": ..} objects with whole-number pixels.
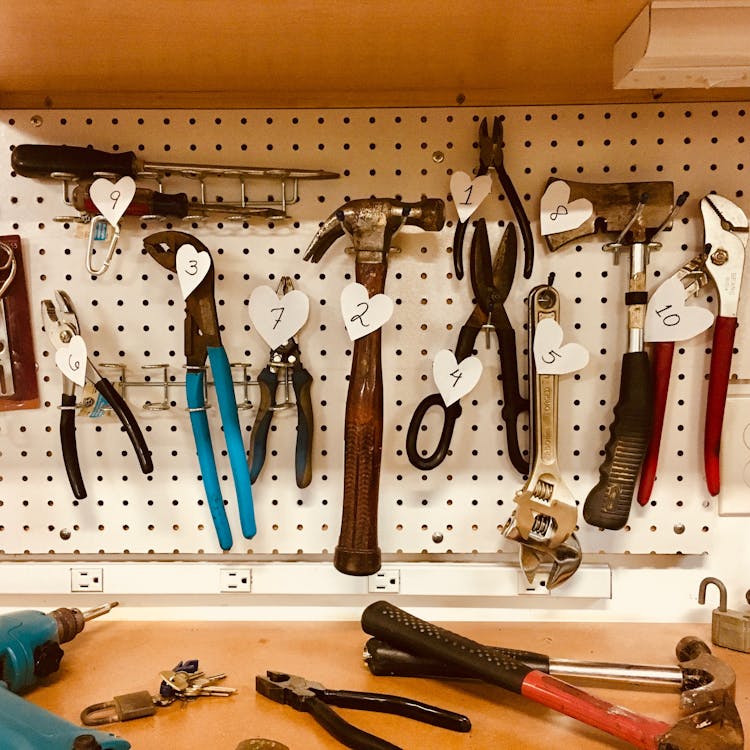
[{"x": 468, "y": 194}]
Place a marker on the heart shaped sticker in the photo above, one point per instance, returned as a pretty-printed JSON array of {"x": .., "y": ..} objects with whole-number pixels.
[
  {"x": 455, "y": 379},
  {"x": 192, "y": 267},
  {"x": 668, "y": 318},
  {"x": 556, "y": 214},
  {"x": 112, "y": 198},
  {"x": 71, "y": 360},
  {"x": 468, "y": 194},
  {"x": 364, "y": 314},
  {"x": 550, "y": 357},
  {"x": 277, "y": 320}
]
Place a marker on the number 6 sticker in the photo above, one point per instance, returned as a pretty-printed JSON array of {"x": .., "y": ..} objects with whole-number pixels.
[
  {"x": 192, "y": 267},
  {"x": 112, "y": 198},
  {"x": 71, "y": 360}
]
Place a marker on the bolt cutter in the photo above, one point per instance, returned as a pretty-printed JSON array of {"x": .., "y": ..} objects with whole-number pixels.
[
  {"x": 61, "y": 325},
  {"x": 203, "y": 341},
  {"x": 491, "y": 283}
]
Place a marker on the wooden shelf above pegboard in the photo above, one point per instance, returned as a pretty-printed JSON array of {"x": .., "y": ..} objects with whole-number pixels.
[{"x": 320, "y": 53}]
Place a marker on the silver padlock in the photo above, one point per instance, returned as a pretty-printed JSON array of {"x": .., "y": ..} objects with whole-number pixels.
[{"x": 729, "y": 628}]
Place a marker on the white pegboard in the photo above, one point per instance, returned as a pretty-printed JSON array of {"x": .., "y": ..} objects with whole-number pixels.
[{"x": 133, "y": 315}]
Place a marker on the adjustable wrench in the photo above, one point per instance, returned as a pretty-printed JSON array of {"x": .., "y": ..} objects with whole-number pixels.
[{"x": 546, "y": 515}]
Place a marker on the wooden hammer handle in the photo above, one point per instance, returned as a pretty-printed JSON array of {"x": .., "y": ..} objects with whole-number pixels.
[{"x": 357, "y": 552}]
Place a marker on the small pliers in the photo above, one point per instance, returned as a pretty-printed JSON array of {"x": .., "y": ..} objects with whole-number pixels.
[
  {"x": 284, "y": 358},
  {"x": 491, "y": 155},
  {"x": 721, "y": 263},
  {"x": 203, "y": 341},
  {"x": 491, "y": 284},
  {"x": 313, "y": 698},
  {"x": 61, "y": 325}
]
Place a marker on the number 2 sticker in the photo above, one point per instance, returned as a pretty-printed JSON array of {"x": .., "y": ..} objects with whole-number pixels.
[{"x": 364, "y": 314}]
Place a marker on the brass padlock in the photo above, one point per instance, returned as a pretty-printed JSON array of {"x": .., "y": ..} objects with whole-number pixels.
[{"x": 729, "y": 628}]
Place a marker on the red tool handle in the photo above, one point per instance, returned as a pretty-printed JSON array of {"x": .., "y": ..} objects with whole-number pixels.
[
  {"x": 718, "y": 381},
  {"x": 661, "y": 368},
  {"x": 640, "y": 731},
  {"x": 357, "y": 552}
]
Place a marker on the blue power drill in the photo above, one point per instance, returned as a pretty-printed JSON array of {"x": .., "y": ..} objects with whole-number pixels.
[{"x": 30, "y": 650}]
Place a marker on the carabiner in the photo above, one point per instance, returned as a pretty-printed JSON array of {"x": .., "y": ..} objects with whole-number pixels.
[{"x": 95, "y": 221}]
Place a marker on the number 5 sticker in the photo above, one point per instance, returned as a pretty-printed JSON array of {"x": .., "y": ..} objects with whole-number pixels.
[
  {"x": 192, "y": 267},
  {"x": 112, "y": 198},
  {"x": 364, "y": 314}
]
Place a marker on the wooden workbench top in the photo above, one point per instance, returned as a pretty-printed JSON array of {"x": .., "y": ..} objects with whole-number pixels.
[{"x": 116, "y": 657}]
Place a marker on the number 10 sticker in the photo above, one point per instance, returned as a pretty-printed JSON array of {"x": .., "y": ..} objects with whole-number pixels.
[
  {"x": 668, "y": 318},
  {"x": 364, "y": 314}
]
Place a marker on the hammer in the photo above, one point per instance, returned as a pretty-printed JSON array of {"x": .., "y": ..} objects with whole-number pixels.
[
  {"x": 637, "y": 212},
  {"x": 372, "y": 223},
  {"x": 711, "y": 720}
]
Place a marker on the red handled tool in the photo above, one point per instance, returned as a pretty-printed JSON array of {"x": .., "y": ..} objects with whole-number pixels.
[{"x": 721, "y": 263}]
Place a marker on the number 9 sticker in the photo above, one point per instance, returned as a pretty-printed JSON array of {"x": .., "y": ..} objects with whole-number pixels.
[
  {"x": 192, "y": 267},
  {"x": 112, "y": 198}
]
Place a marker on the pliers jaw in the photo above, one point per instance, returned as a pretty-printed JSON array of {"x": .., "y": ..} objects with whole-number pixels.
[
  {"x": 490, "y": 147},
  {"x": 726, "y": 236}
]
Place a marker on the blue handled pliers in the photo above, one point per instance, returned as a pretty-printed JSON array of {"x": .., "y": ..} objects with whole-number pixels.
[{"x": 203, "y": 341}]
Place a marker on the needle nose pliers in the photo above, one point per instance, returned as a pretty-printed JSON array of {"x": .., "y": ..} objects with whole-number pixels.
[
  {"x": 491, "y": 156},
  {"x": 61, "y": 325},
  {"x": 313, "y": 698},
  {"x": 203, "y": 341}
]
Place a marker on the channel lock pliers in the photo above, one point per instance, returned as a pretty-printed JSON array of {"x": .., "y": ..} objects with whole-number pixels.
[
  {"x": 721, "y": 263},
  {"x": 491, "y": 284},
  {"x": 284, "y": 360},
  {"x": 491, "y": 156},
  {"x": 313, "y": 698},
  {"x": 203, "y": 341},
  {"x": 61, "y": 325}
]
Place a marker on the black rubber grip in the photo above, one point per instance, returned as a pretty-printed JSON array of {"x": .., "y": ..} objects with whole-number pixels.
[
  {"x": 396, "y": 705},
  {"x": 513, "y": 403},
  {"x": 169, "y": 204},
  {"x": 458, "y": 249},
  {"x": 301, "y": 381},
  {"x": 608, "y": 504},
  {"x": 383, "y": 660},
  {"x": 415, "y": 636},
  {"x": 115, "y": 400},
  {"x": 33, "y": 160},
  {"x": 347, "y": 734},
  {"x": 450, "y": 415},
  {"x": 69, "y": 448},
  {"x": 267, "y": 382}
]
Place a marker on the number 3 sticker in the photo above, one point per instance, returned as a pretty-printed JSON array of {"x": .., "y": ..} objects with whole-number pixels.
[{"x": 192, "y": 267}]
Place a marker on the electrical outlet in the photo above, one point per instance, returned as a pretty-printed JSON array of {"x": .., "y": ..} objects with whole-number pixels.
[
  {"x": 385, "y": 581},
  {"x": 86, "y": 579},
  {"x": 537, "y": 588},
  {"x": 232, "y": 580}
]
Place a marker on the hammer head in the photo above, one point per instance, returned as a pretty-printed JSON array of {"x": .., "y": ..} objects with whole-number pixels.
[
  {"x": 712, "y": 721},
  {"x": 613, "y": 206},
  {"x": 372, "y": 222}
]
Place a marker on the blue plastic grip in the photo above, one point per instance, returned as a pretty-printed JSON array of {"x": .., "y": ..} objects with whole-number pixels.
[
  {"x": 230, "y": 421},
  {"x": 199, "y": 423},
  {"x": 26, "y": 726}
]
